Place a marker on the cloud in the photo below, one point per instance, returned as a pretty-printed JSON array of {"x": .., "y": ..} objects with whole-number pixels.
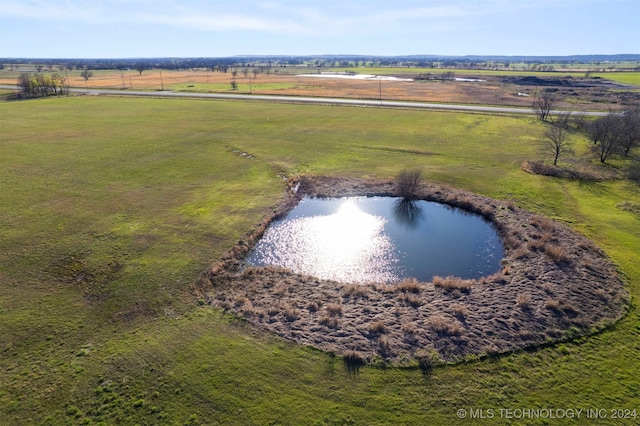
[
  {"x": 193, "y": 15},
  {"x": 223, "y": 22},
  {"x": 329, "y": 18}
]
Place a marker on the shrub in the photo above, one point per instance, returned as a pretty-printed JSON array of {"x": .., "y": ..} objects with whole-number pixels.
[
  {"x": 334, "y": 309},
  {"x": 376, "y": 327},
  {"x": 428, "y": 359},
  {"x": 409, "y": 328},
  {"x": 314, "y": 306},
  {"x": 328, "y": 320},
  {"x": 291, "y": 314},
  {"x": 537, "y": 168},
  {"x": 556, "y": 253},
  {"x": 553, "y": 305},
  {"x": 353, "y": 359},
  {"x": 602, "y": 294},
  {"x": 543, "y": 224},
  {"x": 408, "y": 183},
  {"x": 384, "y": 344},
  {"x": 412, "y": 300},
  {"x": 241, "y": 301},
  {"x": 571, "y": 310},
  {"x": 445, "y": 325},
  {"x": 452, "y": 283},
  {"x": 253, "y": 312},
  {"x": 510, "y": 242},
  {"x": 459, "y": 311},
  {"x": 521, "y": 253},
  {"x": 273, "y": 310},
  {"x": 523, "y": 300},
  {"x": 409, "y": 285},
  {"x": 355, "y": 290}
]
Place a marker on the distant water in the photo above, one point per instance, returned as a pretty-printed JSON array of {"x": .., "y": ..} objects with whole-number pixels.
[{"x": 379, "y": 239}]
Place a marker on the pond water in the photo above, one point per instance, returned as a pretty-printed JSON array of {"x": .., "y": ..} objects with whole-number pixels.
[
  {"x": 379, "y": 239},
  {"x": 355, "y": 76}
]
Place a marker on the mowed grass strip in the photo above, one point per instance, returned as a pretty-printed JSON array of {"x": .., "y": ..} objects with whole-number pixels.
[{"x": 111, "y": 208}]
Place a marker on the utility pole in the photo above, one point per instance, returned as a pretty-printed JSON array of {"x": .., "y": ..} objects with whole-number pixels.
[{"x": 161, "y": 82}]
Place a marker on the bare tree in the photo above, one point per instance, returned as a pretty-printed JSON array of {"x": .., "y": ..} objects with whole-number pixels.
[
  {"x": 86, "y": 74},
  {"x": 629, "y": 136},
  {"x": 542, "y": 105},
  {"x": 408, "y": 182},
  {"x": 140, "y": 67},
  {"x": 579, "y": 121},
  {"x": 604, "y": 133},
  {"x": 26, "y": 85},
  {"x": 448, "y": 75},
  {"x": 556, "y": 137}
]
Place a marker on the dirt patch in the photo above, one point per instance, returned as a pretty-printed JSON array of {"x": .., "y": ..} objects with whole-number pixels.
[
  {"x": 555, "y": 284},
  {"x": 565, "y": 81},
  {"x": 582, "y": 171}
]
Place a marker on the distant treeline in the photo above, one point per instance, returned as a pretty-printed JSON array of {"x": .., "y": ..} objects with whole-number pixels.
[{"x": 541, "y": 63}]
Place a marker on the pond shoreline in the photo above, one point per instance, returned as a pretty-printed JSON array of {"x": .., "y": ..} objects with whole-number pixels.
[{"x": 555, "y": 285}]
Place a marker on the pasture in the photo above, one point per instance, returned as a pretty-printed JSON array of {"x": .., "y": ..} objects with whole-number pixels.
[{"x": 111, "y": 208}]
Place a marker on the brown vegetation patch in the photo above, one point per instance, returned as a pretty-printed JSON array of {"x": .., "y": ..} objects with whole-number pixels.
[
  {"x": 582, "y": 171},
  {"x": 554, "y": 282}
]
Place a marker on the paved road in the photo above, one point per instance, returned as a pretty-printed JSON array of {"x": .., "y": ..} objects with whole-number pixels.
[{"x": 325, "y": 101}]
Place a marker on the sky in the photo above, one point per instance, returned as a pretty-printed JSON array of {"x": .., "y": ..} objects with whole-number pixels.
[{"x": 213, "y": 28}]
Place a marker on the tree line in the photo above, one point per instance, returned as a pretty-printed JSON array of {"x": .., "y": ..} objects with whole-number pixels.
[
  {"x": 40, "y": 85},
  {"x": 615, "y": 135},
  {"x": 319, "y": 61}
]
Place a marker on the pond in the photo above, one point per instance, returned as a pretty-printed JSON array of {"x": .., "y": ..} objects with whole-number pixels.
[{"x": 379, "y": 239}]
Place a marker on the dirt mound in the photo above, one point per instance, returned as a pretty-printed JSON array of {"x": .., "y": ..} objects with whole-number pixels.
[
  {"x": 555, "y": 285},
  {"x": 566, "y": 81}
]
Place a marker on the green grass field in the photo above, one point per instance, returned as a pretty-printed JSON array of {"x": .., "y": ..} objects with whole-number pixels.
[{"x": 111, "y": 207}]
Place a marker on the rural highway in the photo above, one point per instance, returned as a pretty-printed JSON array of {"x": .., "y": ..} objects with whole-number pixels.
[{"x": 324, "y": 101}]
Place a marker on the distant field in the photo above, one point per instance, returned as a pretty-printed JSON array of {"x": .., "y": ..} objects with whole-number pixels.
[
  {"x": 286, "y": 81},
  {"x": 622, "y": 77},
  {"x": 111, "y": 208},
  {"x": 243, "y": 87}
]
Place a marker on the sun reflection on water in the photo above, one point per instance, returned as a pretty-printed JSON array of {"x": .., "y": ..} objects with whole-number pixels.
[{"x": 348, "y": 245}]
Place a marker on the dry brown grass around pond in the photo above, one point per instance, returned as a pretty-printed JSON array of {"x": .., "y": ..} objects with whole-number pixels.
[{"x": 555, "y": 284}]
